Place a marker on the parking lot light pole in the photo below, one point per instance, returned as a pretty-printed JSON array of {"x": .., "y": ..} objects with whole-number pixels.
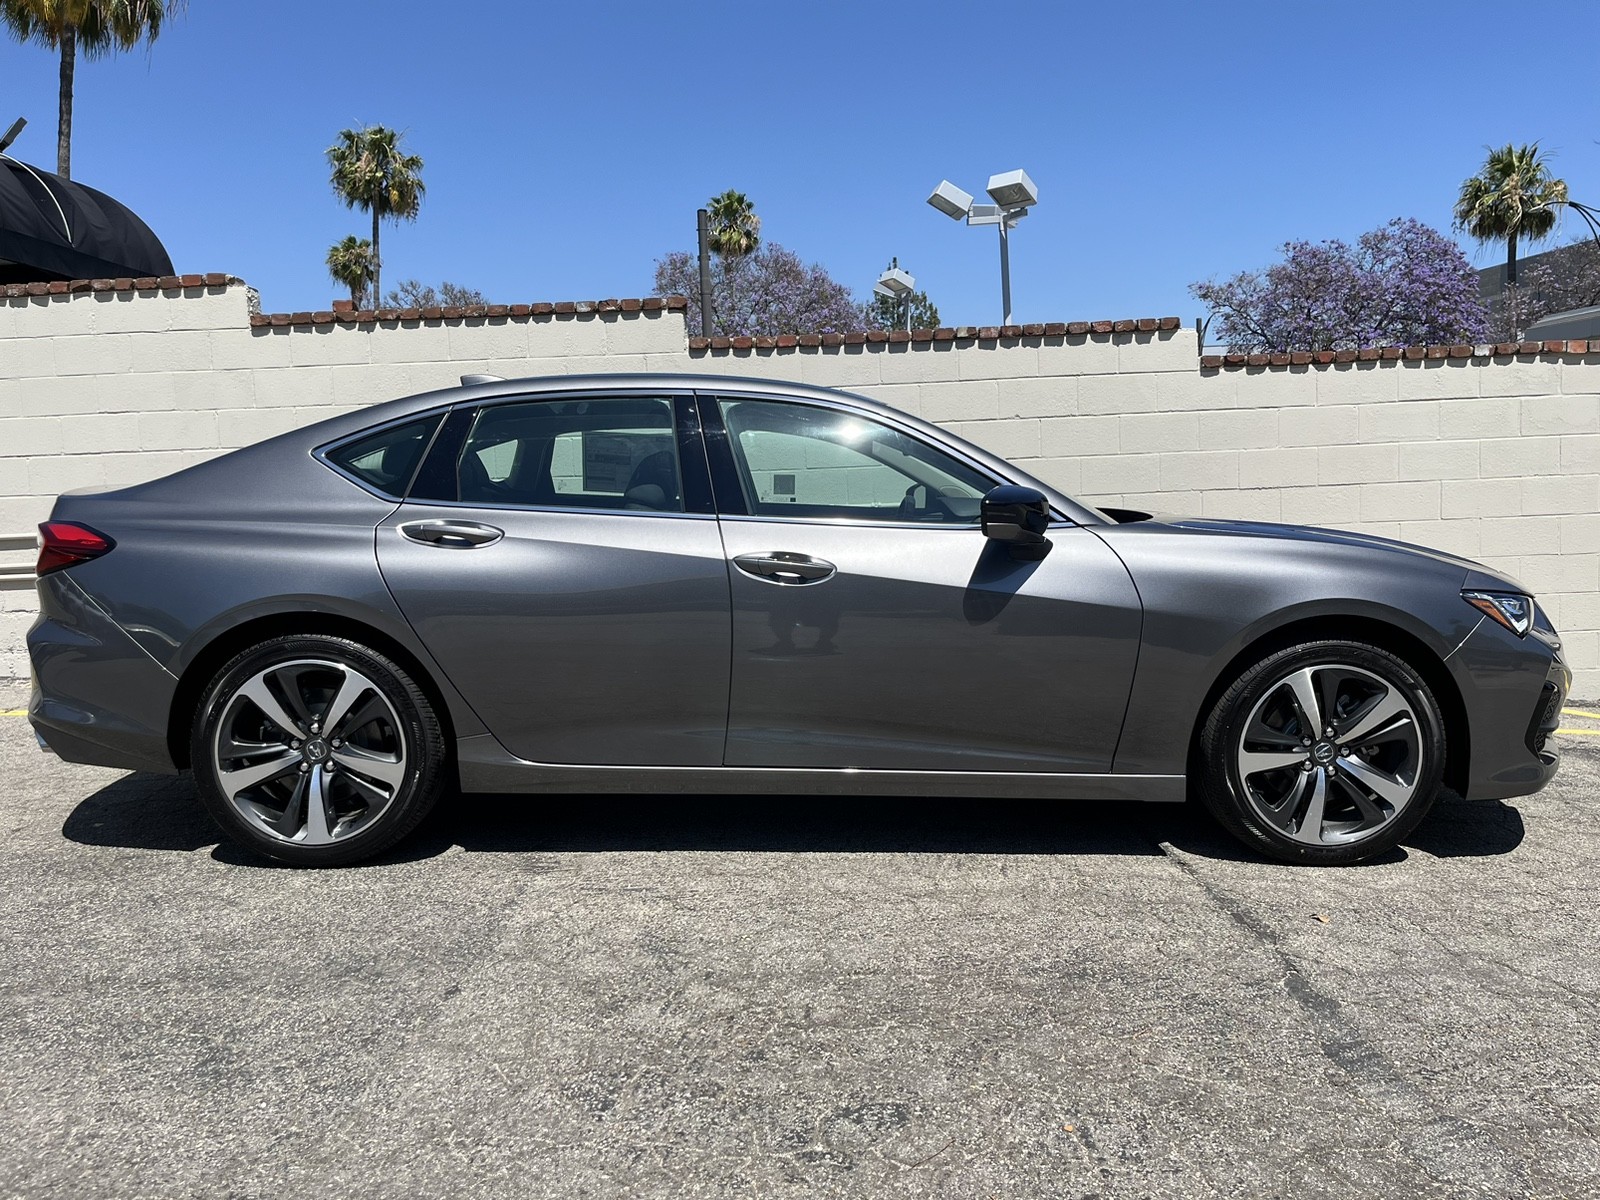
[
  {"x": 895, "y": 284},
  {"x": 1013, "y": 194}
]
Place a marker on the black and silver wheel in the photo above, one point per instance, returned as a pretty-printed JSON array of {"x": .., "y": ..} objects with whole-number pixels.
[
  {"x": 316, "y": 750},
  {"x": 1328, "y": 752}
]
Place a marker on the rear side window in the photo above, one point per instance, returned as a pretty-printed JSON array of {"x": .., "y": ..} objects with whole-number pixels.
[
  {"x": 602, "y": 453},
  {"x": 386, "y": 460}
]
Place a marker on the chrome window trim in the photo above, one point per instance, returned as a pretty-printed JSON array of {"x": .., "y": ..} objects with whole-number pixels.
[
  {"x": 555, "y": 508},
  {"x": 857, "y": 523}
]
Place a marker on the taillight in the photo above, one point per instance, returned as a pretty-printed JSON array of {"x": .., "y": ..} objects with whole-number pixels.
[{"x": 64, "y": 544}]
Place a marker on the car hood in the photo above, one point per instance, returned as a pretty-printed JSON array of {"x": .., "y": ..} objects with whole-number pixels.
[{"x": 1477, "y": 575}]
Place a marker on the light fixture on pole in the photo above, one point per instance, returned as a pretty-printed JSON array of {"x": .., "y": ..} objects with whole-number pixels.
[
  {"x": 1013, "y": 194},
  {"x": 895, "y": 284}
]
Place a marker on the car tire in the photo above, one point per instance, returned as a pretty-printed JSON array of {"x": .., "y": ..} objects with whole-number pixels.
[
  {"x": 283, "y": 782},
  {"x": 1327, "y": 752}
]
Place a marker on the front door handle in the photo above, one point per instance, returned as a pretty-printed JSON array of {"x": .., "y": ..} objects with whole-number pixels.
[
  {"x": 780, "y": 566},
  {"x": 459, "y": 535}
]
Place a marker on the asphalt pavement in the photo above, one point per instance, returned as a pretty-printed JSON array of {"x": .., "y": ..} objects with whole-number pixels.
[{"x": 608, "y": 997}]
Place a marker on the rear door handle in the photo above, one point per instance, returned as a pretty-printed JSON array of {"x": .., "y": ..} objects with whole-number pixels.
[
  {"x": 459, "y": 535},
  {"x": 780, "y": 566}
]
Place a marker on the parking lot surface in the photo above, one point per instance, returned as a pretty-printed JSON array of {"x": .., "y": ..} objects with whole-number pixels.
[{"x": 602, "y": 996}]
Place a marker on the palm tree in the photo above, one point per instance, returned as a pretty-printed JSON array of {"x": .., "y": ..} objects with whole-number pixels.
[
  {"x": 734, "y": 234},
  {"x": 1513, "y": 197},
  {"x": 735, "y": 228},
  {"x": 372, "y": 171},
  {"x": 351, "y": 263},
  {"x": 95, "y": 27}
]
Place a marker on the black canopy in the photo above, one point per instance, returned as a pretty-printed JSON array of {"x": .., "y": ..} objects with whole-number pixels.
[{"x": 53, "y": 228}]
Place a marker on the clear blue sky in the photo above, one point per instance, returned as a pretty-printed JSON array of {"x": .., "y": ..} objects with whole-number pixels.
[{"x": 568, "y": 145}]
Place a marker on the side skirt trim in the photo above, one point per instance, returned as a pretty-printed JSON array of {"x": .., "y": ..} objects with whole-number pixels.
[{"x": 486, "y": 767}]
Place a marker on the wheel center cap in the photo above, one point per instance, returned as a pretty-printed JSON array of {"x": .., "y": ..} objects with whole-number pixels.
[
  {"x": 1323, "y": 753},
  {"x": 315, "y": 750}
]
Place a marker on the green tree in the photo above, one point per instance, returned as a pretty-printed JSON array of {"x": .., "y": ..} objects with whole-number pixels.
[
  {"x": 352, "y": 265},
  {"x": 372, "y": 171},
  {"x": 1513, "y": 197},
  {"x": 914, "y": 311},
  {"x": 734, "y": 235},
  {"x": 735, "y": 228},
  {"x": 94, "y": 28}
]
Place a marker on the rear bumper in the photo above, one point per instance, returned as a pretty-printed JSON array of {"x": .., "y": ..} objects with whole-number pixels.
[
  {"x": 1513, "y": 690},
  {"x": 97, "y": 697}
]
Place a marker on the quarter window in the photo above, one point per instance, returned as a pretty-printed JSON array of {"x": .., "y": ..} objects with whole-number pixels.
[
  {"x": 605, "y": 453},
  {"x": 797, "y": 460},
  {"x": 387, "y": 459}
]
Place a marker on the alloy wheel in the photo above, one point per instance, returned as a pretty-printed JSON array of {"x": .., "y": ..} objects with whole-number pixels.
[
  {"x": 309, "y": 751},
  {"x": 1330, "y": 754}
]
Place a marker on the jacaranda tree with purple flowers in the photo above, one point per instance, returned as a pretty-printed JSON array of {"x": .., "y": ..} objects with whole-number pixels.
[
  {"x": 1402, "y": 284},
  {"x": 770, "y": 290}
]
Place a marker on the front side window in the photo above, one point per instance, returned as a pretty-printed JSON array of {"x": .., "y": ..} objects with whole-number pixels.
[
  {"x": 796, "y": 460},
  {"x": 386, "y": 460},
  {"x": 605, "y": 453}
]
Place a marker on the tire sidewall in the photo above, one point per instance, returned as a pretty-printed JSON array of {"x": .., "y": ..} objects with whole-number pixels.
[
  {"x": 1223, "y": 788},
  {"x": 418, "y": 730}
]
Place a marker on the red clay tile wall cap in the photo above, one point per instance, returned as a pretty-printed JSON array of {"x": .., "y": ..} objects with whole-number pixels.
[
  {"x": 960, "y": 333},
  {"x": 473, "y": 312},
  {"x": 154, "y": 283},
  {"x": 1321, "y": 358}
]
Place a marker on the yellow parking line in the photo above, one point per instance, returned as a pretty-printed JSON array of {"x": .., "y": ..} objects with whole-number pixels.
[
  {"x": 1581, "y": 732},
  {"x": 13, "y": 712},
  {"x": 1579, "y": 712}
]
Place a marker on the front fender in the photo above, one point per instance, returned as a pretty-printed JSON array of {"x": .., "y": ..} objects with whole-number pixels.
[{"x": 1210, "y": 595}]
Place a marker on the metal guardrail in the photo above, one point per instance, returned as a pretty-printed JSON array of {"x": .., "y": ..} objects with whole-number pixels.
[{"x": 17, "y": 574}]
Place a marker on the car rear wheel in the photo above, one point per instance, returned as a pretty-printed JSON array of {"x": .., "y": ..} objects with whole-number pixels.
[
  {"x": 317, "y": 750},
  {"x": 1327, "y": 752}
]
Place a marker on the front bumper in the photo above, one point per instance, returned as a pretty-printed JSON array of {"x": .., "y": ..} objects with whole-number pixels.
[
  {"x": 97, "y": 697},
  {"x": 1513, "y": 689}
]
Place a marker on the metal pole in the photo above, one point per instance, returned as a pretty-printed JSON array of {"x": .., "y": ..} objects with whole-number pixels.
[
  {"x": 702, "y": 220},
  {"x": 1005, "y": 271}
]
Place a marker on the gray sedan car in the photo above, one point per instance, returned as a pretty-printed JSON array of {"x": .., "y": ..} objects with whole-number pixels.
[{"x": 673, "y": 584}]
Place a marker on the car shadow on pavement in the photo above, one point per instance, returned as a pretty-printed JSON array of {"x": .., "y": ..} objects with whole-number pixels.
[
  {"x": 1458, "y": 828},
  {"x": 161, "y": 812},
  {"x": 792, "y": 824},
  {"x": 143, "y": 812}
]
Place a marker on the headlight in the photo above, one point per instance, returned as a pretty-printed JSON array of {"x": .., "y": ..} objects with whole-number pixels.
[{"x": 1511, "y": 609}]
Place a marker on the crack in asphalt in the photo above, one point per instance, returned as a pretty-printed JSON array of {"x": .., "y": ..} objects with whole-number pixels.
[{"x": 1372, "y": 1074}]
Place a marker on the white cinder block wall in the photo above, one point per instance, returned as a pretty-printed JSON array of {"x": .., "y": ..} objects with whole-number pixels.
[{"x": 1495, "y": 456}]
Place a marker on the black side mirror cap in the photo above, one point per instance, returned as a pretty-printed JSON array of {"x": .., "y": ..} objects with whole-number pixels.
[{"x": 1020, "y": 516}]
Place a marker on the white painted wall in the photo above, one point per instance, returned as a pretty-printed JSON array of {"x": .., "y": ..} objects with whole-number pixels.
[{"x": 1495, "y": 458}]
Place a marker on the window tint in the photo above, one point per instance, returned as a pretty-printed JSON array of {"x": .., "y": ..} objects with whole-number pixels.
[
  {"x": 617, "y": 453},
  {"x": 798, "y": 461},
  {"x": 386, "y": 460}
]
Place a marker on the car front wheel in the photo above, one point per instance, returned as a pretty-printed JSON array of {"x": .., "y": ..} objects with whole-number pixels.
[
  {"x": 1328, "y": 752},
  {"x": 316, "y": 750}
]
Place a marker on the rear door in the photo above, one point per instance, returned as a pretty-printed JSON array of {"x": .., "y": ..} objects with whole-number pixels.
[
  {"x": 875, "y": 626},
  {"x": 559, "y": 557}
]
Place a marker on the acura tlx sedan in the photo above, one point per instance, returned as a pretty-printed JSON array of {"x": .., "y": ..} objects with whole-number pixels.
[{"x": 674, "y": 584}]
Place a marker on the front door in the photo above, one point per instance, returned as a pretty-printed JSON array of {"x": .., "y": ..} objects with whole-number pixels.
[
  {"x": 552, "y": 560},
  {"x": 874, "y": 626}
]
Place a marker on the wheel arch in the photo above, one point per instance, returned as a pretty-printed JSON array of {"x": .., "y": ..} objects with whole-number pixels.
[
  {"x": 204, "y": 665},
  {"x": 1386, "y": 636}
]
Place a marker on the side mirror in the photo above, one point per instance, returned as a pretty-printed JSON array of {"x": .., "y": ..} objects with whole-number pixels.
[{"x": 1018, "y": 515}]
